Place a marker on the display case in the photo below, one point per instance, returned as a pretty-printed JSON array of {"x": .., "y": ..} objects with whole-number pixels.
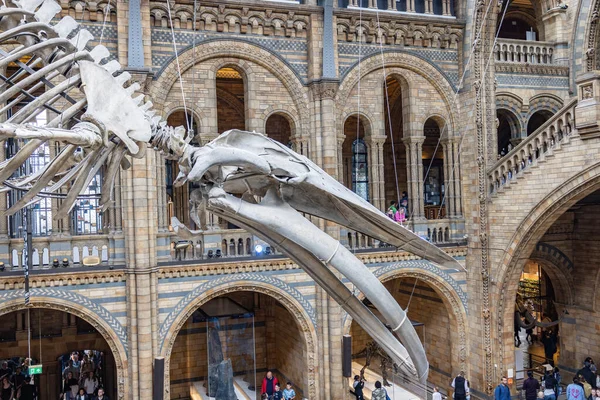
[{"x": 231, "y": 353}]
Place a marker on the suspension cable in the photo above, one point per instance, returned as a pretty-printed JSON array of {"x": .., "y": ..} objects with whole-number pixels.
[
  {"x": 476, "y": 40},
  {"x": 178, "y": 65},
  {"x": 195, "y": 103},
  {"x": 389, "y": 113},
  {"x": 462, "y": 136},
  {"x": 106, "y": 16}
]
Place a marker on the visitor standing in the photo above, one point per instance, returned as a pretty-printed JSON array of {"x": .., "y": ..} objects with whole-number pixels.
[
  {"x": 550, "y": 348},
  {"x": 502, "y": 391},
  {"x": 6, "y": 389},
  {"x": 587, "y": 388},
  {"x": 90, "y": 384},
  {"x": 278, "y": 394},
  {"x": 436, "y": 394},
  {"x": 358, "y": 385},
  {"x": 549, "y": 385},
  {"x": 268, "y": 385},
  {"x": 379, "y": 393},
  {"x": 101, "y": 395},
  {"x": 531, "y": 386},
  {"x": 28, "y": 390},
  {"x": 288, "y": 392},
  {"x": 587, "y": 373},
  {"x": 574, "y": 390},
  {"x": 460, "y": 386}
]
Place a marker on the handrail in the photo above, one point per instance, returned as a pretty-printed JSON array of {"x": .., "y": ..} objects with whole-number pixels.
[{"x": 534, "y": 147}]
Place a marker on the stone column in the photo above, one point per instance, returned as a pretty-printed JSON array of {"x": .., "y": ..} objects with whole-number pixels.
[
  {"x": 340, "y": 148},
  {"x": 140, "y": 228},
  {"x": 410, "y": 5},
  {"x": 4, "y": 206},
  {"x": 428, "y": 7},
  {"x": 372, "y": 3},
  {"x": 456, "y": 179},
  {"x": 446, "y": 7},
  {"x": 448, "y": 177},
  {"x": 414, "y": 147},
  {"x": 376, "y": 171},
  {"x": 392, "y": 5}
]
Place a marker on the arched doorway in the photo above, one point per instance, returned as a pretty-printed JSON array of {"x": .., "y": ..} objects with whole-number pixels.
[
  {"x": 433, "y": 170},
  {"x": 537, "y": 119},
  {"x": 560, "y": 239},
  {"x": 396, "y": 111},
  {"x": 279, "y": 127},
  {"x": 436, "y": 314},
  {"x": 231, "y": 99},
  {"x": 355, "y": 156},
  {"x": 56, "y": 337},
  {"x": 508, "y": 129},
  {"x": 178, "y": 196},
  {"x": 247, "y": 333}
]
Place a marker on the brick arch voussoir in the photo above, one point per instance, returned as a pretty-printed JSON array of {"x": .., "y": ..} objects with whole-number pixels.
[
  {"x": 449, "y": 296},
  {"x": 528, "y": 234},
  {"x": 118, "y": 351},
  {"x": 231, "y": 49},
  {"x": 396, "y": 62},
  {"x": 300, "y": 315}
]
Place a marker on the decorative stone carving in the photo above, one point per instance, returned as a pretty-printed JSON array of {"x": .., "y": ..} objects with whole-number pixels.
[{"x": 587, "y": 92}]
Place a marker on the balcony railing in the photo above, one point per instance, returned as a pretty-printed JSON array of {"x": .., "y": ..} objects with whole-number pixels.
[
  {"x": 524, "y": 51},
  {"x": 535, "y": 147}
]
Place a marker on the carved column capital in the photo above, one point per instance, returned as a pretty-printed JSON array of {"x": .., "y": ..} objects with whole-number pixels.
[{"x": 325, "y": 89}]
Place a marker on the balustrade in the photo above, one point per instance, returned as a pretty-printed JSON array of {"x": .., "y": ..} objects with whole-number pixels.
[
  {"x": 533, "y": 148},
  {"x": 523, "y": 51}
]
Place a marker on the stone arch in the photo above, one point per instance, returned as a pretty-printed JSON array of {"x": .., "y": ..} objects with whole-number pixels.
[
  {"x": 546, "y": 102},
  {"x": 526, "y": 237},
  {"x": 289, "y": 297},
  {"x": 232, "y": 49},
  {"x": 561, "y": 280},
  {"x": 394, "y": 59},
  {"x": 288, "y": 112},
  {"x": 451, "y": 293},
  {"x": 199, "y": 115},
  {"x": 72, "y": 304},
  {"x": 441, "y": 120},
  {"x": 363, "y": 116}
]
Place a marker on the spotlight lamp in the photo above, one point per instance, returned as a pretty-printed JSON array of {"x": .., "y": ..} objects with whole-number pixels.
[
  {"x": 65, "y": 262},
  {"x": 55, "y": 263},
  {"x": 258, "y": 249},
  {"x": 2, "y": 266}
]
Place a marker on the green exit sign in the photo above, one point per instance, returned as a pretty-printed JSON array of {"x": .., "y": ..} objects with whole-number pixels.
[{"x": 35, "y": 369}]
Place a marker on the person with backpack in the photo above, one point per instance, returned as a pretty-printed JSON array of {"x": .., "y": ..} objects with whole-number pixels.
[
  {"x": 460, "y": 386},
  {"x": 358, "y": 385},
  {"x": 379, "y": 393}
]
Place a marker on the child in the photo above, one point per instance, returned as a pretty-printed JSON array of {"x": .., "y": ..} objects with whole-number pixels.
[
  {"x": 436, "y": 394},
  {"x": 278, "y": 395},
  {"x": 264, "y": 396},
  {"x": 288, "y": 392},
  {"x": 400, "y": 216}
]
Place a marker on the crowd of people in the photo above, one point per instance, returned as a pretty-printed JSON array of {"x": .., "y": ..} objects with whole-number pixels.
[
  {"x": 80, "y": 380},
  {"x": 15, "y": 382},
  {"x": 585, "y": 385},
  {"x": 82, "y": 376}
]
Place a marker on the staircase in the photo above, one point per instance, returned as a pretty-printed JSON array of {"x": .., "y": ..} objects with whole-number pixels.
[
  {"x": 534, "y": 150},
  {"x": 395, "y": 392}
]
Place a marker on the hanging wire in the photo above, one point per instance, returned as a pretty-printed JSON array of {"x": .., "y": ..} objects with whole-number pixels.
[
  {"x": 106, "y": 16},
  {"x": 462, "y": 136},
  {"x": 72, "y": 62},
  {"x": 389, "y": 113},
  {"x": 178, "y": 65},
  {"x": 195, "y": 103},
  {"x": 476, "y": 40}
]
